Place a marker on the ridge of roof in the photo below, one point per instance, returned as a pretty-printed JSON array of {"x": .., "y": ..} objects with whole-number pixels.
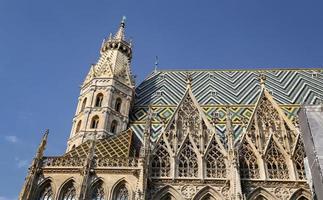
[{"x": 241, "y": 69}]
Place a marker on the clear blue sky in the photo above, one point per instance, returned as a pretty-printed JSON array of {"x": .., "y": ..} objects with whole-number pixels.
[{"x": 46, "y": 48}]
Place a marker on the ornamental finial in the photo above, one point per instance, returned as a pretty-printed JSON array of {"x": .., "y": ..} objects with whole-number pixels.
[
  {"x": 120, "y": 35},
  {"x": 262, "y": 79},
  {"x": 156, "y": 64},
  {"x": 123, "y": 19},
  {"x": 188, "y": 79}
]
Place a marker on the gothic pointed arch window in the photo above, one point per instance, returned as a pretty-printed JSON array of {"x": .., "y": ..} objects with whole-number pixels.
[
  {"x": 118, "y": 104},
  {"x": 260, "y": 197},
  {"x": 168, "y": 196},
  {"x": 121, "y": 192},
  {"x": 46, "y": 192},
  {"x": 97, "y": 191},
  {"x": 298, "y": 159},
  {"x": 275, "y": 163},
  {"x": 78, "y": 126},
  {"x": 187, "y": 161},
  {"x": 249, "y": 167},
  {"x": 68, "y": 191},
  {"x": 160, "y": 164},
  {"x": 99, "y": 100},
  {"x": 83, "y": 104},
  {"x": 95, "y": 122},
  {"x": 215, "y": 163},
  {"x": 114, "y": 126},
  {"x": 208, "y": 197}
]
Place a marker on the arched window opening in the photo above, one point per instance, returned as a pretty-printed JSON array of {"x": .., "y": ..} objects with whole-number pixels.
[
  {"x": 260, "y": 197},
  {"x": 248, "y": 162},
  {"x": 215, "y": 163},
  {"x": 187, "y": 161},
  {"x": 168, "y": 196},
  {"x": 275, "y": 163},
  {"x": 160, "y": 164},
  {"x": 68, "y": 192},
  {"x": 302, "y": 198},
  {"x": 114, "y": 126},
  {"x": 83, "y": 104},
  {"x": 121, "y": 192},
  {"x": 95, "y": 122},
  {"x": 97, "y": 192},
  {"x": 78, "y": 126},
  {"x": 208, "y": 197},
  {"x": 99, "y": 99},
  {"x": 46, "y": 193},
  {"x": 298, "y": 159},
  {"x": 118, "y": 104}
]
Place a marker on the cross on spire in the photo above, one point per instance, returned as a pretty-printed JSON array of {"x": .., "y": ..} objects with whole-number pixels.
[{"x": 120, "y": 35}]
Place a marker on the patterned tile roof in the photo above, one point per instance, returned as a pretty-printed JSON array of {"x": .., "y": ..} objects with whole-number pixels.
[
  {"x": 214, "y": 89},
  {"x": 115, "y": 146}
]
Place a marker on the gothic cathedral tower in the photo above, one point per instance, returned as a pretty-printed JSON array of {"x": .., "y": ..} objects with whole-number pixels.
[{"x": 106, "y": 94}]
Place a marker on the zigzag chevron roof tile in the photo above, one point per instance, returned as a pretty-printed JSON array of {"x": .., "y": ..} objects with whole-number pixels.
[{"x": 214, "y": 89}]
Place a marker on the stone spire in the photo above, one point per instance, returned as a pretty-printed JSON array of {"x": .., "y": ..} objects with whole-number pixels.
[
  {"x": 106, "y": 94},
  {"x": 120, "y": 35},
  {"x": 34, "y": 170}
]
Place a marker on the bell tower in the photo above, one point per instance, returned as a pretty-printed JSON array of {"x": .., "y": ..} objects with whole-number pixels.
[{"x": 106, "y": 93}]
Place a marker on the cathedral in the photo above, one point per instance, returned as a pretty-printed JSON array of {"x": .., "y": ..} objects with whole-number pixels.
[{"x": 180, "y": 134}]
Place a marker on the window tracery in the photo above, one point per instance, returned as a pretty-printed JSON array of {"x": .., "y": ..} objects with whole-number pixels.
[
  {"x": 97, "y": 192},
  {"x": 267, "y": 117},
  {"x": 298, "y": 159},
  {"x": 248, "y": 162},
  {"x": 208, "y": 197},
  {"x": 260, "y": 197},
  {"x": 215, "y": 163},
  {"x": 275, "y": 163},
  {"x": 188, "y": 119},
  {"x": 122, "y": 193},
  {"x": 46, "y": 193},
  {"x": 160, "y": 164},
  {"x": 68, "y": 192},
  {"x": 168, "y": 197},
  {"x": 187, "y": 161}
]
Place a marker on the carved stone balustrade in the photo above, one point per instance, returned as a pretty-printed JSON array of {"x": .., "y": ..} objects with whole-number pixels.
[
  {"x": 107, "y": 162},
  {"x": 116, "y": 162},
  {"x": 63, "y": 162}
]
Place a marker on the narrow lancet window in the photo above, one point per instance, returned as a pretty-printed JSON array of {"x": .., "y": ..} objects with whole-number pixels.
[
  {"x": 97, "y": 192},
  {"x": 118, "y": 105},
  {"x": 68, "y": 192},
  {"x": 121, "y": 193},
  {"x": 46, "y": 193},
  {"x": 83, "y": 104},
  {"x": 114, "y": 126},
  {"x": 78, "y": 126},
  {"x": 99, "y": 100},
  {"x": 95, "y": 122}
]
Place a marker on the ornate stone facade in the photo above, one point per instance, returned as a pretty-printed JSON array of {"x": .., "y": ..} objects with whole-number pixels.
[{"x": 197, "y": 153}]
